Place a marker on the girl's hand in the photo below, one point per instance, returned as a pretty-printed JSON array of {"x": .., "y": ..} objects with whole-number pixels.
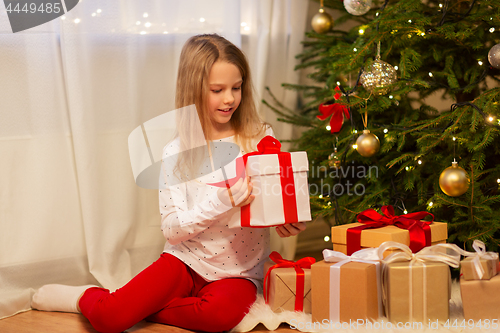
[
  {"x": 241, "y": 193},
  {"x": 290, "y": 229}
]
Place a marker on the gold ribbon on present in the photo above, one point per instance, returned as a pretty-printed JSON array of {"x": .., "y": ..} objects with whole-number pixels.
[
  {"x": 448, "y": 254},
  {"x": 480, "y": 253},
  {"x": 368, "y": 256}
]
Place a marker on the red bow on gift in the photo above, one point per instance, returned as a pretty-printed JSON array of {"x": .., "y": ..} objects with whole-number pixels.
[
  {"x": 299, "y": 266},
  {"x": 420, "y": 232},
  {"x": 337, "y": 111}
]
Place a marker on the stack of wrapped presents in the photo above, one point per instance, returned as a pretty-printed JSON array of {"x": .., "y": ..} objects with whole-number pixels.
[{"x": 398, "y": 272}]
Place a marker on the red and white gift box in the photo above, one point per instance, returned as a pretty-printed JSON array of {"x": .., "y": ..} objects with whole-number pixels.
[{"x": 279, "y": 184}]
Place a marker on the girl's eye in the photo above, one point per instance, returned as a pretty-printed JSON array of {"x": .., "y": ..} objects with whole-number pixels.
[
  {"x": 217, "y": 91},
  {"x": 237, "y": 88}
]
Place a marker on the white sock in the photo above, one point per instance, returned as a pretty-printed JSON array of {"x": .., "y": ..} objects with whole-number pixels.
[{"x": 58, "y": 297}]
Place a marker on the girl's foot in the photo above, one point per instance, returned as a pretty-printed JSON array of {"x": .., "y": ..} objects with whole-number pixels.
[{"x": 58, "y": 297}]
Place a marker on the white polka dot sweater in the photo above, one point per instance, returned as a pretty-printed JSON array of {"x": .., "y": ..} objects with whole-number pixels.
[{"x": 205, "y": 233}]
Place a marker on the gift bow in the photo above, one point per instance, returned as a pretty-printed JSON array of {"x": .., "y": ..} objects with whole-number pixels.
[
  {"x": 480, "y": 253},
  {"x": 299, "y": 266},
  {"x": 369, "y": 256},
  {"x": 363, "y": 254},
  {"x": 337, "y": 111},
  {"x": 445, "y": 253},
  {"x": 420, "y": 232}
]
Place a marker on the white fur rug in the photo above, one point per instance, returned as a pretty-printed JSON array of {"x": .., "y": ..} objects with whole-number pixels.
[{"x": 261, "y": 313}]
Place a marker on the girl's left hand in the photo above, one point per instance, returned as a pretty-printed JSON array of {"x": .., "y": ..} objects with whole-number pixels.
[{"x": 290, "y": 229}]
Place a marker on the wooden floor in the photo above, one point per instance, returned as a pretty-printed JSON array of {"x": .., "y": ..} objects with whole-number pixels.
[{"x": 58, "y": 322}]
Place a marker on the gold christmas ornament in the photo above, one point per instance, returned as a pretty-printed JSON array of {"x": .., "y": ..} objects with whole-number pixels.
[
  {"x": 380, "y": 76},
  {"x": 357, "y": 7},
  {"x": 368, "y": 144},
  {"x": 333, "y": 159},
  {"x": 454, "y": 181},
  {"x": 322, "y": 22},
  {"x": 494, "y": 56}
]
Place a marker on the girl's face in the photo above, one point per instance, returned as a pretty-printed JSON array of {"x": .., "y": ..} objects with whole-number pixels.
[{"x": 225, "y": 94}]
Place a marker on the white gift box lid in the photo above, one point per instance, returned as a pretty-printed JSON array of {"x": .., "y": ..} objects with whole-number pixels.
[{"x": 268, "y": 164}]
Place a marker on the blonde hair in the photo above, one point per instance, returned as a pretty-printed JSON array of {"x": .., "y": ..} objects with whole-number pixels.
[{"x": 197, "y": 58}]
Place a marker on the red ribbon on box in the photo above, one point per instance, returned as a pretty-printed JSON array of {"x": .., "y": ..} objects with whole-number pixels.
[
  {"x": 299, "y": 266},
  {"x": 270, "y": 145},
  {"x": 420, "y": 232}
]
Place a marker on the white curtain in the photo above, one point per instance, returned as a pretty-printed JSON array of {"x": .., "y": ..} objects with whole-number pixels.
[{"x": 71, "y": 91}]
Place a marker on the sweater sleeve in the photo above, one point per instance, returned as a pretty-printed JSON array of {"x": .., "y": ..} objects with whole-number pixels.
[{"x": 183, "y": 218}]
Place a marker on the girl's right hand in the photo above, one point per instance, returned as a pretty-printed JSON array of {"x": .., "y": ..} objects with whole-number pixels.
[{"x": 241, "y": 193}]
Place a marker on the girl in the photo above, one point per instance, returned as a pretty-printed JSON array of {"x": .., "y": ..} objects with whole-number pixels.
[{"x": 207, "y": 277}]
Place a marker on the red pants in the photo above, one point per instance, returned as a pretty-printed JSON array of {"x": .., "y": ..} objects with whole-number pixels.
[{"x": 169, "y": 292}]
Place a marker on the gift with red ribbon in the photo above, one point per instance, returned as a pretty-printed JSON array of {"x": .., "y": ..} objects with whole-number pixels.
[
  {"x": 287, "y": 284},
  {"x": 420, "y": 232},
  {"x": 279, "y": 184}
]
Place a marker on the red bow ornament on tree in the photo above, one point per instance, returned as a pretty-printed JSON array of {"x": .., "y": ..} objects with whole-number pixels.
[{"x": 337, "y": 111}]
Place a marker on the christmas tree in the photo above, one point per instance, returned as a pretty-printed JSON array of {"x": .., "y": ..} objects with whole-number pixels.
[{"x": 378, "y": 76}]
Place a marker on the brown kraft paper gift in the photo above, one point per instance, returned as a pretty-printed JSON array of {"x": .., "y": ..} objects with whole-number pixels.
[
  {"x": 375, "y": 237},
  {"x": 428, "y": 298},
  {"x": 358, "y": 291},
  {"x": 481, "y": 298}
]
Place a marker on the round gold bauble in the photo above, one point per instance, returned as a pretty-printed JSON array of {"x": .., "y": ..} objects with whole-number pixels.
[
  {"x": 368, "y": 144},
  {"x": 454, "y": 181},
  {"x": 322, "y": 22},
  {"x": 494, "y": 56},
  {"x": 379, "y": 77},
  {"x": 357, "y": 7},
  {"x": 333, "y": 160}
]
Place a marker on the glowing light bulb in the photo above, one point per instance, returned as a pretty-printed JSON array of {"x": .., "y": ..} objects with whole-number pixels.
[
  {"x": 490, "y": 119},
  {"x": 396, "y": 67},
  {"x": 94, "y": 14},
  {"x": 480, "y": 63},
  {"x": 431, "y": 204},
  {"x": 355, "y": 49},
  {"x": 145, "y": 15},
  {"x": 328, "y": 127},
  {"x": 338, "y": 83},
  {"x": 202, "y": 19},
  {"x": 419, "y": 161},
  {"x": 143, "y": 32},
  {"x": 440, "y": 5},
  {"x": 138, "y": 22},
  {"x": 407, "y": 168},
  {"x": 454, "y": 139},
  {"x": 321, "y": 196},
  {"x": 99, "y": 11},
  {"x": 409, "y": 21},
  {"x": 327, "y": 238},
  {"x": 386, "y": 130},
  {"x": 405, "y": 212},
  {"x": 492, "y": 30},
  {"x": 77, "y": 21},
  {"x": 243, "y": 24},
  {"x": 361, "y": 31},
  {"x": 63, "y": 17},
  {"x": 355, "y": 146},
  {"x": 430, "y": 74},
  {"x": 147, "y": 24},
  {"x": 391, "y": 97},
  {"x": 355, "y": 131}
]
